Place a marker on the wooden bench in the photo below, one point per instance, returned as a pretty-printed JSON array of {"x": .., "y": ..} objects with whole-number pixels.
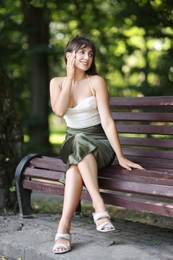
[{"x": 145, "y": 126}]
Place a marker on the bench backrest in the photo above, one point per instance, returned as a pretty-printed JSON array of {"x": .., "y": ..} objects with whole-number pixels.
[{"x": 145, "y": 126}]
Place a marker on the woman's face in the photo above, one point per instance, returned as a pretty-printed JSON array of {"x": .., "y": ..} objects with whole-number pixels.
[{"x": 84, "y": 58}]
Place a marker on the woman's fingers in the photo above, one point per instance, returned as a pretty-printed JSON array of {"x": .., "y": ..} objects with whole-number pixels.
[
  {"x": 70, "y": 63},
  {"x": 127, "y": 164}
]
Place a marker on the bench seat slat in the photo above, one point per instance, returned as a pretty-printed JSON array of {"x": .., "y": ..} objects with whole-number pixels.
[
  {"x": 152, "y": 177},
  {"x": 113, "y": 173},
  {"x": 38, "y": 173},
  {"x": 160, "y": 208},
  {"x": 45, "y": 163},
  {"x": 44, "y": 187},
  {"x": 136, "y": 187},
  {"x": 152, "y": 206}
]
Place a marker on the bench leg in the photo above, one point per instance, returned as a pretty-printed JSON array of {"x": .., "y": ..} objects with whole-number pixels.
[
  {"x": 24, "y": 202},
  {"x": 23, "y": 195}
]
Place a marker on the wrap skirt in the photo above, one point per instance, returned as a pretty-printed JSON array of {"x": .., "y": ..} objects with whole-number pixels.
[{"x": 80, "y": 142}]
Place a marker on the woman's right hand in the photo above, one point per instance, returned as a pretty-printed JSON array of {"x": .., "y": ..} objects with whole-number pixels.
[{"x": 70, "y": 64}]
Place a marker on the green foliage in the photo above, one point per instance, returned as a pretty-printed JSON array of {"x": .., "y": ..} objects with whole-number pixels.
[{"x": 133, "y": 39}]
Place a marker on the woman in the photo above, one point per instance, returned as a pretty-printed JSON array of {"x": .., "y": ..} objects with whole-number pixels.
[{"x": 91, "y": 142}]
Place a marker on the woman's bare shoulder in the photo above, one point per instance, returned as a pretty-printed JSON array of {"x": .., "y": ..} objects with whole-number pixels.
[
  {"x": 97, "y": 82},
  {"x": 56, "y": 82},
  {"x": 96, "y": 77}
]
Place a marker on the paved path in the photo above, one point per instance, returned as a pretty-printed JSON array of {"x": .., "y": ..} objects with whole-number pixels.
[{"x": 32, "y": 239}]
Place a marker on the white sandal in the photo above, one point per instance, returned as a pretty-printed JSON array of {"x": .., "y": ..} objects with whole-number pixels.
[
  {"x": 104, "y": 227},
  {"x": 66, "y": 248}
]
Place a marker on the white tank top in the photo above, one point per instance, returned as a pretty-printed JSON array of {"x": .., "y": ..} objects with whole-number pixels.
[{"x": 84, "y": 114}]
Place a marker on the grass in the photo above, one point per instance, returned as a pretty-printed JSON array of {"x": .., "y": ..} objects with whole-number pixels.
[{"x": 2, "y": 257}]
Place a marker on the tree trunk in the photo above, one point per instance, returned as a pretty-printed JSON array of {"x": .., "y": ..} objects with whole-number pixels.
[
  {"x": 10, "y": 143},
  {"x": 37, "y": 29}
]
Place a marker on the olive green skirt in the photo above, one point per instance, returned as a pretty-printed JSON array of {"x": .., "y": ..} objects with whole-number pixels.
[{"x": 80, "y": 142}]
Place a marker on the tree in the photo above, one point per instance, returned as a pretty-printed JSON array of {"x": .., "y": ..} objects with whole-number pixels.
[
  {"x": 36, "y": 25},
  {"x": 11, "y": 137},
  {"x": 11, "y": 140}
]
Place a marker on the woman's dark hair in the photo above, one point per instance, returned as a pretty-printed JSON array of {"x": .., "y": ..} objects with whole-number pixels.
[{"x": 76, "y": 44}]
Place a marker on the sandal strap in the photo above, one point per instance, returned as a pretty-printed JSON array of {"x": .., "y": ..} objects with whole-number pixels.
[
  {"x": 62, "y": 236},
  {"x": 100, "y": 215},
  {"x": 104, "y": 225},
  {"x": 63, "y": 246}
]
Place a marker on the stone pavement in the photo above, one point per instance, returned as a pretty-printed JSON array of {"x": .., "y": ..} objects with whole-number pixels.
[{"x": 32, "y": 239}]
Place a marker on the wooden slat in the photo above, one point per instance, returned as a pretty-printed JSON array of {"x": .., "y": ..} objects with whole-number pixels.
[
  {"x": 143, "y": 102},
  {"x": 143, "y": 116},
  {"x": 151, "y": 153},
  {"x": 152, "y": 206},
  {"x": 163, "y": 164},
  {"x": 136, "y": 187},
  {"x": 147, "y": 142},
  {"x": 145, "y": 129},
  {"x": 44, "y": 187},
  {"x": 161, "y": 208},
  {"x": 142, "y": 176},
  {"x": 45, "y": 163},
  {"x": 45, "y": 175}
]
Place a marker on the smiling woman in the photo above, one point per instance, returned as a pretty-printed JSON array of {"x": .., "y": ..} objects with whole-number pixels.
[
  {"x": 80, "y": 46},
  {"x": 91, "y": 141}
]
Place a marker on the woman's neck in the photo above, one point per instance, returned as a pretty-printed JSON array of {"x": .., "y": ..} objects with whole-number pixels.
[{"x": 79, "y": 77}]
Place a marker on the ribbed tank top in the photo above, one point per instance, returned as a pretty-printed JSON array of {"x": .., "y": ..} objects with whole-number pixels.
[{"x": 84, "y": 114}]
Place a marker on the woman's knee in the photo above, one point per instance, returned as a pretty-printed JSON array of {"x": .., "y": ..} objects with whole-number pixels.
[
  {"x": 73, "y": 172},
  {"x": 73, "y": 169},
  {"x": 73, "y": 175}
]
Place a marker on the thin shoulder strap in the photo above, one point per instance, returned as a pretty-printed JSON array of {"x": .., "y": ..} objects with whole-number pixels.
[{"x": 89, "y": 83}]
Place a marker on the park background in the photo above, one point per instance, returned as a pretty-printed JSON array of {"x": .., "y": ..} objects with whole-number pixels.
[{"x": 134, "y": 42}]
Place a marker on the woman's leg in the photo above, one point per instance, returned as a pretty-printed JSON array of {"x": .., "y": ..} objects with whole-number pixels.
[
  {"x": 72, "y": 194},
  {"x": 89, "y": 172}
]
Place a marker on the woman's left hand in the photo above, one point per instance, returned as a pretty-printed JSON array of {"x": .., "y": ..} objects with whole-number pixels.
[{"x": 127, "y": 164}]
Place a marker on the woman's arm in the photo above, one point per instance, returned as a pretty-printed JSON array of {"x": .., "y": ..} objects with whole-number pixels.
[
  {"x": 60, "y": 97},
  {"x": 60, "y": 89},
  {"x": 108, "y": 123}
]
